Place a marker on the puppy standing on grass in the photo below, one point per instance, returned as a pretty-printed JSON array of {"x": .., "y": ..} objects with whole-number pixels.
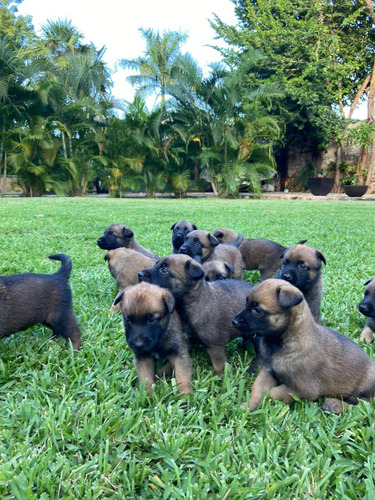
[
  {"x": 124, "y": 264},
  {"x": 208, "y": 308},
  {"x": 302, "y": 267},
  {"x": 367, "y": 308},
  {"x": 258, "y": 254},
  {"x": 28, "y": 299},
  {"x": 153, "y": 330},
  {"x": 118, "y": 235},
  {"x": 300, "y": 357},
  {"x": 180, "y": 230},
  {"x": 203, "y": 247}
]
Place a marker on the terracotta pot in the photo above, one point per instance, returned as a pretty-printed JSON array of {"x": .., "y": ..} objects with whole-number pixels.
[
  {"x": 354, "y": 191},
  {"x": 320, "y": 186}
]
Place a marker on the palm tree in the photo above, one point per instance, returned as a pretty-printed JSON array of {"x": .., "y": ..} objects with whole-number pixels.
[{"x": 155, "y": 67}]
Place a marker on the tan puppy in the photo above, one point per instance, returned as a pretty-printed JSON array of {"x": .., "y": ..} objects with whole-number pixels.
[
  {"x": 300, "y": 357},
  {"x": 124, "y": 264},
  {"x": 367, "y": 308},
  {"x": 302, "y": 267},
  {"x": 257, "y": 253},
  {"x": 207, "y": 307},
  {"x": 153, "y": 330},
  {"x": 28, "y": 299},
  {"x": 118, "y": 235},
  {"x": 217, "y": 270},
  {"x": 180, "y": 230},
  {"x": 203, "y": 246}
]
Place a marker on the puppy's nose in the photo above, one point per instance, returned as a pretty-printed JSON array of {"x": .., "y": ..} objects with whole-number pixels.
[
  {"x": 363, "y": 309},
  {"x": 144, "y": 276},
  {"x": 287, "y": 276},
  {"x": 139, "y": 343},
  {"x": 183, "y": 250},
  {"x": 235, "y": 322}
]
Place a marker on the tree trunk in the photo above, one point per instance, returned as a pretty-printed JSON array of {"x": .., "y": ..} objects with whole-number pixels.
[{"x": 2, "y": 189}]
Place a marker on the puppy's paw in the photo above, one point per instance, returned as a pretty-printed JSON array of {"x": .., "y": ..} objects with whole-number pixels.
[
  {"x": 334, "y": 405},
  {"x": 367, "y": 335}
]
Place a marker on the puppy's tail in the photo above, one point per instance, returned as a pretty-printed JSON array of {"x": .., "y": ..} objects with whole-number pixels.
[
  {"x": 237, "y": 242},
  {"x": 66, "y": 264}
]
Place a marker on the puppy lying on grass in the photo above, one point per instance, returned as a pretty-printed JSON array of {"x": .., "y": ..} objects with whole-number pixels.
[
  {"x": 301, "y": 357},
  {"x": 28, "y": 299},
  {"x": 153, "y": 330}
]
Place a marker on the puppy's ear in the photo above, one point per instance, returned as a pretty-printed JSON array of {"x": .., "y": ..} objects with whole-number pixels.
[
  {"x": 173, "y": 226},
  {"x": 287, "y": 297},
  {"x": 106, "y": 256},
  {"x": 194, "y": 227},
  {"x": 118, "y": 298},
  {"x": 302, "y": 242},
  {"x": 229, "y": 267},
  {"x": 367, "y": 283},
  {"x": 127, "y": 233},
  {"x": 169, "y": 302},
  {"x": 321, "y": 256},
  {"x": 218, "y": 234},
  {"x": 212, "y": 240},
  {"x": 194, "y": 270}
]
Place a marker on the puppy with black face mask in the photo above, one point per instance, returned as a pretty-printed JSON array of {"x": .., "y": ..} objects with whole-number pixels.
[
  {"x": 180, "y": 230},
  {"x": 300, "y": 357},
  {"x": 153, "y": 330},
  {"x": 206, "y": 307},
  {"x": 302, "y": 267},
  {"x": 367, "y": 308},
  {"x": 203, "y": 247},
  {"x": 117, "y": 236}
]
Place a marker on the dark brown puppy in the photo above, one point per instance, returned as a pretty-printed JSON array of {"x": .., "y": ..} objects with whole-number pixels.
[
  {"x": 367, "y": 308},
  {"x": 257, "y": 253},
  {"x": 180, "y": 231},
  {"x": 207, "y": 307},
  {"x": 300, "y": 357},
  {"x": 215, "y": 270},
  {"x": 118, "y": 235},
  {"x": 153, "y": 330},
  {"x": 28, "y": 299},
  {"x": 203, "y": 246},
  {"x": 124, "y": 264},
  {"x": 302, "y": 267}
]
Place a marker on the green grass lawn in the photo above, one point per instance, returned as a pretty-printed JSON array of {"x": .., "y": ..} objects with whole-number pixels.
[{"x": 78, "y": 426}]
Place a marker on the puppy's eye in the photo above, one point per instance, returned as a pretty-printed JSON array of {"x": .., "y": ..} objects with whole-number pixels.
[
  {"x": 303, "y": 266},
  {"x": 128, "y": 319},
  {"x": 197, "y": 243},
  {"x": 152, "y": 320},
  {"x": 111, "y": 233},
  {"x": 257, "y": 310},
  {"x": 366, "y": 292},
  {"x": 220, "y": 277},
  {"x": 164, "y": 269},
  {"x": 284, "y": 263}
]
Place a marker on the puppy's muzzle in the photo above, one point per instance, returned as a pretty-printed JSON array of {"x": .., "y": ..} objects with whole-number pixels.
[
  {"x": 184, "y": 250},
  {"x": 290, "y": 277},
  {"x": 144, "y": 276},
  {"x": 366, "y": 310}
]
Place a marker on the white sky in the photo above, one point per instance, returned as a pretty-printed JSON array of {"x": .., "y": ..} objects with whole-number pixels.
[{"x": 116, "y": 23}]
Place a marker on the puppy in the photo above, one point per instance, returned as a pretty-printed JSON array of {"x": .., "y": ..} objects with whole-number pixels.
[
  {"x": 208, "y": 308},
  {"x": 118, "y": 235},
  {"x": 153, "y": 330},
  {"x": 203, "y": 246},
  {"x": 300, "y": 357},
  {"x": 217, "y": 270},
  {"x": 124, "y": 264},
  {"x": 28, "y": 299},
  {"x": 367, "y": 308},
  {"x": 302, "y": 267},
  {"x": 257, "y": 253},
  {"x": 180, "y": 230}
]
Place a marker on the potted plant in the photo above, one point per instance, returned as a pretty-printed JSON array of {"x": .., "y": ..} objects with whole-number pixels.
[
  {"x": 352, "y": 184},
  {"x": 320, "y": 184}
]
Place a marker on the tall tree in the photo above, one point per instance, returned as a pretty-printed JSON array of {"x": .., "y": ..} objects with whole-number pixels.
[{"x": 155, "y": 66}]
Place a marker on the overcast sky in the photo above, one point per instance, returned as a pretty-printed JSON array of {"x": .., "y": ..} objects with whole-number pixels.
[{"x": 116, "y": 23}]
